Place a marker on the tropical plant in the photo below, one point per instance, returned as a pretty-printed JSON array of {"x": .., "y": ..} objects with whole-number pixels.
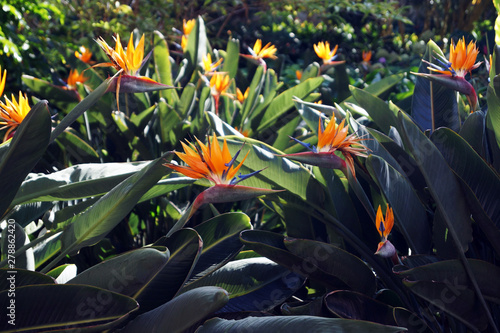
[{"x": 128, "y": 244}]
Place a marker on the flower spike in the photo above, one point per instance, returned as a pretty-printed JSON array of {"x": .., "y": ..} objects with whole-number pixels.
[
  {"x": 385, "y": 248},
  {"x": 12, "y": 113}
]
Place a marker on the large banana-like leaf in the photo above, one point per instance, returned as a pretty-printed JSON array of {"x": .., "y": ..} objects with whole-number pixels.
[
  {"x": 179, "y": 314},
  {"x": 284, "y": 102},
  {"x": 92, "y": 225},
  {"x": 22, "y": 277},
  {"x": 316, "y": 260},
  {"x": 27, "y": 147},
  {"x": 453, "y": 273},
  {"x": 86, "y": 308},
  {"x": 80, "y": 108},
  {"x": 410, "y": 213},
  {"x": 231, "y": 58},
  {"x": 125, "y": 274},
  {"x": 185, "y": 247},
  {"x": 163, "y": 67},
  {"x": 14, "y": 235},
  {"x": 221, "y": 242},
  {"x": 333, "y": 261},
  {"x": 62, "y": 98},
  {"x": 380, "y": 87},
  {"x": 438, "y": 108},
  {"x": 378, "y": 110},
  {"x": 76, "y": 182},
  {"x": 253, "y": 284},
  {"x": 295, "y": 324},
  {"x": 277, "y": 172},
  {"x": 353, "y": 305},
  {"x": 442, "y": 183}
]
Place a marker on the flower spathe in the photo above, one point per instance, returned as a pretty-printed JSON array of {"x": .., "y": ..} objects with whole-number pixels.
[
  {"x": 12, "y": 113},
  {"x": 331, "y": 139}
]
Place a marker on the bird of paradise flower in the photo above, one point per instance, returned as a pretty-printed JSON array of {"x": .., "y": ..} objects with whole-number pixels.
[
  {"x": 219, "y": 168},
  {"x": 333, "y": 138},
  {"x": 452, "y": 71},
  {"x": 128, "y": 62}
]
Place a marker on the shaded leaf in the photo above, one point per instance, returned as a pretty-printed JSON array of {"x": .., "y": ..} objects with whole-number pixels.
[{"x": 180, "y": 313}]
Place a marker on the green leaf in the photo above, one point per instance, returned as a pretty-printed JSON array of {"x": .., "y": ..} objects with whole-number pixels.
[
  {"x": 245, "y": 278},
  {"x": 333, "y": 261},
  {"x": 380, "y": 87},
  {"x": 64, "y": 99},
  {"x": 311, "y": 71},
  {"x": 284, "y": 101},
  {"x": 80, "y": 108},
  {"x": 94, "y": 224},
  {"x": 76, "y": 182},
  {"x": 27, "y": 146},
  {"x": 196, "y": 47},
  {"x": 456, "y": 300},
  {"x": 163, "y": 67},
  {"x": 254, "y": 90},
  {"x": 188, "y": 99},
  {"x": 185, "y": 247},
  {"x": 65, "y": 307},
  {"x": 181, "y": 313},
  {"x": 79, "y": 149},
  {"x": 13, "y": 238},
  {"x": 378, "y": 110},
  {"x": 125, "y": 274},
  {"x": 294, "y": 324},
  {"x": 410, "y": 213},
  {"x": 168, "y": 119},
  {"x": 279, "y": 173},
  {"x": 474, "y": 132},
  {"x": 221, "y": 242},
  {"x": 22, "y": 277},
  {"x": 453, "y": 273},
  {"x": 232, "y": 57},
  {"x": 221, "y": 127},
  {"x": 443, "y": 103},
  {"x": 441, "y": 182}
]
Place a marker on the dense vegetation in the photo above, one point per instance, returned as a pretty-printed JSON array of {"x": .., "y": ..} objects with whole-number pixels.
[{"x": 245, "y": 166}]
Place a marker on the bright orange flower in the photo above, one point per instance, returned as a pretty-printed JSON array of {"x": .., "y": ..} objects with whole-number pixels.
[
  {"x": 334, "y": 138},
  {"x": 242, "y": 96},
  {"x": 187, "y": 26},
  {"x": 74, "y": 77},
  {"x": 298, "y": 74},
  {"x": 259, "y": 52},
  {"x": 367, "y": 56},
  {"x": 219, "y": 83},
  {"x": 322, "y": 50},
  {"x": 462, "y": 60},
  {"x": 209, "y": 162},
  {"x": 3, "y": 77},
  {"x": 210, "y": 66},
  {"x": 128, "y": 62},
  {"x": 384, "y": 226},
  {"x": 85, "y": 55},
  {"x": 12, "y": 113}
]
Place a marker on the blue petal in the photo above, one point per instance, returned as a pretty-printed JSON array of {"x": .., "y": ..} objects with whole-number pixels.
[
  {"x": 307, "y": 145},
  {"x": 241, "y": 177}
]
